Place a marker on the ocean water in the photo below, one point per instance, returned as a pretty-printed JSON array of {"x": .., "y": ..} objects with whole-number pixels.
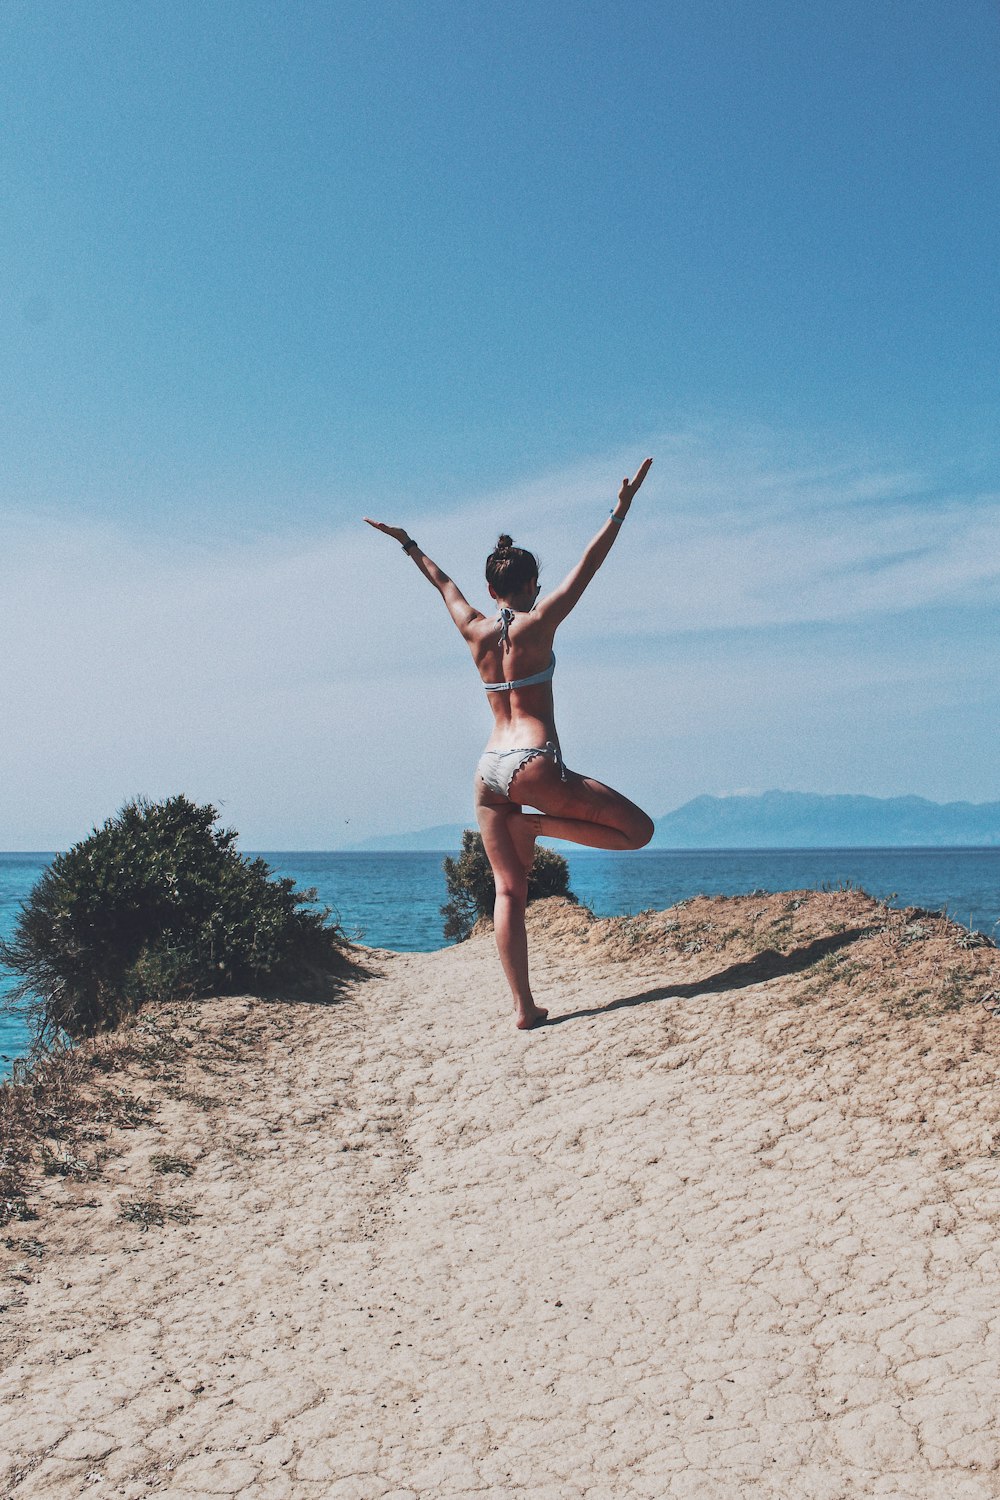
[{"x": 394, "y": 900}]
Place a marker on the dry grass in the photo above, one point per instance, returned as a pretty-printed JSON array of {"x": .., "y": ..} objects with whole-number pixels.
[
  {"x": 151, "y": 1211},
  {"x": 164, "y": 1162},
  {"x": 58, "y": 1112}
]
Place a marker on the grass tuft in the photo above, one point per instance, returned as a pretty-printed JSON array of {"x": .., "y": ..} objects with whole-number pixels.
[
  {"x": 164, "y": 1162},
  {"x": 153, "y": 1212}
]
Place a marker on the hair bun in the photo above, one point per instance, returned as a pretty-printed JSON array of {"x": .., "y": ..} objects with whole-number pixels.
[{"x": 509, "y": 568}]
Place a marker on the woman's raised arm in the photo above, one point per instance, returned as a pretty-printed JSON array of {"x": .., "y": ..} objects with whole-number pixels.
[
  {"x": 557, "y": 605},
  {"x": 458, "y": 606}
]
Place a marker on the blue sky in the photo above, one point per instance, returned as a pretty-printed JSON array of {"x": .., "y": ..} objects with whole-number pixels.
[{"x": 269, "y": 268}]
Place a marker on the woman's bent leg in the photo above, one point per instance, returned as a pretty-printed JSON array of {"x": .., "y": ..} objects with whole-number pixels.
[
  {"x": 579, "y": 809},
  {"x": 590, "y": 835},
  {"x": 510, "y": 864}
]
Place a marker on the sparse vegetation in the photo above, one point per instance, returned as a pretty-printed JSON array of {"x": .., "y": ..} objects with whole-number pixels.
[
  {"x": 151, "y": 1211},
  {"x": 166, "y": 1162},
  {"x": 469, "y": 879},
  {"x": 154, "y": 905},
  {"x": 49, "y": 1115},
  {"x": 60, "y": 1115},
  {"x": 65, "y": 1164}
]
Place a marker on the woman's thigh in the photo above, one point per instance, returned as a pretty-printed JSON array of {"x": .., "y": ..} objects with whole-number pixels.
[{"x": 493, "y": 814}]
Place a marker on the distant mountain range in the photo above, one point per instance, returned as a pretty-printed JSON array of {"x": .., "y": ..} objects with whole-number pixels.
[
  {"x": 805, "y": 820},
  {"x": 782, "y": 820}
]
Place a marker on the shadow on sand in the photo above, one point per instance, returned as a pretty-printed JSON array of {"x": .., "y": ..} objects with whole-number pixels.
[{"x": 767, "y": 965}]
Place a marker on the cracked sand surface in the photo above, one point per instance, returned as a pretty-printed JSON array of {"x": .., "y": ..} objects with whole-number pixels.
[{"x": 717, "y": 1240}]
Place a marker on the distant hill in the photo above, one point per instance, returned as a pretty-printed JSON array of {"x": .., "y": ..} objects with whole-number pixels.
[{"x": 805, "y": 820}]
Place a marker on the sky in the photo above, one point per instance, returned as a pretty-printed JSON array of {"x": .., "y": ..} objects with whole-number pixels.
[{"x": 269, "y": 268}]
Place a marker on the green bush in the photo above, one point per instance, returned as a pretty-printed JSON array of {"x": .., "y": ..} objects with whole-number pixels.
[
  {"x": 469, "y": 879},
  {"x": 155, "y": 904}
]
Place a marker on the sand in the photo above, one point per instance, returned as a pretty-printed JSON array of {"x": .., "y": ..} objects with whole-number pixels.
[{"x": 728, "y": 1229}]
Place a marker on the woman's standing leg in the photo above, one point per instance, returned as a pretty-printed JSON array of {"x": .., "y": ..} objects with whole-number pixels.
[{"x": 509, "y": 844}]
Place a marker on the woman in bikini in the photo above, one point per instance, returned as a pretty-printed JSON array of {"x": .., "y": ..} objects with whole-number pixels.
[{"x": 522, "y": 765}]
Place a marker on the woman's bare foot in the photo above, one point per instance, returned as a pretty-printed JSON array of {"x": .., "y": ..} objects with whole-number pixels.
[
  {"x": 527, "y": 1019},
  {"x": 523, "y": 833}
]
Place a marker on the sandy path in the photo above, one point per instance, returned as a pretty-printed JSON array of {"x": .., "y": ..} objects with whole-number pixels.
[{"x": 702, "y": 1244}]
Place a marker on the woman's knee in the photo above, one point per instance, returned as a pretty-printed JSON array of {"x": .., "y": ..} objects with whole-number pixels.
[
  {"x": 641, "y": 830},
  {"x": 511, "y": 886}
]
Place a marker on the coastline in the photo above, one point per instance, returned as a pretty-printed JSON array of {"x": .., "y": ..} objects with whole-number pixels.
[{"x": 730, "y": 1223}]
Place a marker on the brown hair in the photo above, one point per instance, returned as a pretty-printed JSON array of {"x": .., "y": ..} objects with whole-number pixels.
[{"x": 510, "y": 568}]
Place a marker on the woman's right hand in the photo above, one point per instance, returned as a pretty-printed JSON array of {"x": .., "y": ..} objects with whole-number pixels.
[{"x": 396, "y": 532}]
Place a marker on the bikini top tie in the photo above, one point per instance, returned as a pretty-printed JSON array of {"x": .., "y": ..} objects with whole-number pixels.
[{"x": 504, "y": 620}]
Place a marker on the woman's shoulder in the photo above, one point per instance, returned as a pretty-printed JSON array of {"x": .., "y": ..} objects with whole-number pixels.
[{"x": 483, "y": 631}]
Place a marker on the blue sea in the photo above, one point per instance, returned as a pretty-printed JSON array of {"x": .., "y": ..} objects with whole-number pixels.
[{"x": 394, "y": 900}]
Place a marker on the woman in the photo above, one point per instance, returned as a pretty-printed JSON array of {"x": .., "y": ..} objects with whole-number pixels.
[{"x": 522, "y": 765}]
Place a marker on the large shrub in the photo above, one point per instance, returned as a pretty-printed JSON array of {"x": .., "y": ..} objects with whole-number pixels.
[
  {"x": 469, "y": 879},
  {"x": 154, "y": 904}
]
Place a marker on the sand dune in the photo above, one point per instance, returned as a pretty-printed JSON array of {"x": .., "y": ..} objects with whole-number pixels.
[{"x": 728, "y": 1229}]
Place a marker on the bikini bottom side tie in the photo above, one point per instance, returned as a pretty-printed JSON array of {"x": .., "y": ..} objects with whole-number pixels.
[{"x": 497, "y": 768}]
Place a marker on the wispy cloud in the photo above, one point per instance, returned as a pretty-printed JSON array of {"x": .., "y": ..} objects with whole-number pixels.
[{"x": 720, "y": 537}]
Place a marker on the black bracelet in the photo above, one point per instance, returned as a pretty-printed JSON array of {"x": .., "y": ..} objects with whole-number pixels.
[{"x": 407, "y": 545}]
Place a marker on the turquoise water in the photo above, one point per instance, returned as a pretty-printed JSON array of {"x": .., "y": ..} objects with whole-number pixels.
[{"x": 394, "y": 900}]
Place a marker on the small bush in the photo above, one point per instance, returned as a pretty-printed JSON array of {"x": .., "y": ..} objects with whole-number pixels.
[
  {"x": 469, "y": 879},
  {"x": 154, "y": 905}
]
